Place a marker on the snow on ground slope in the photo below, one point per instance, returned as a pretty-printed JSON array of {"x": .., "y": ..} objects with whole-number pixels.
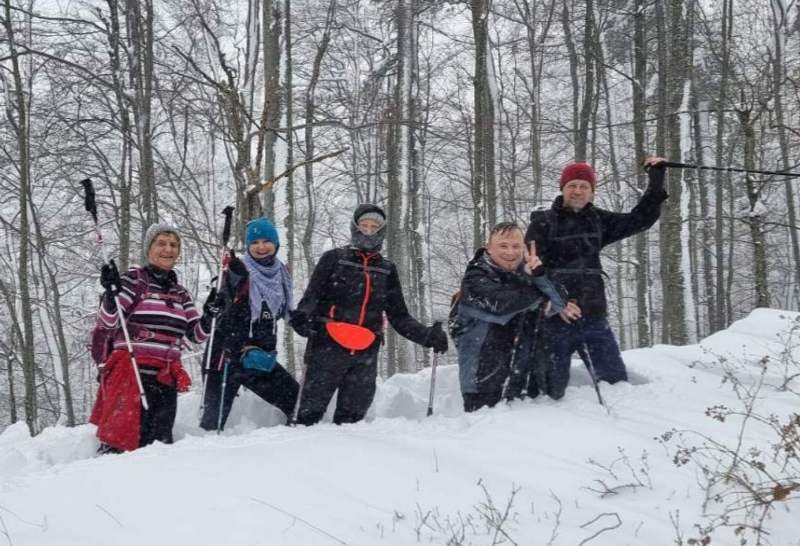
[{"x": 533, "y": 472}]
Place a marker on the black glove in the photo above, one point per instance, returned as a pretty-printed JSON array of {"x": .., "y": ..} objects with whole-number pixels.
[
  {"x": 656, "y": 174},
  {"x": 235, "y": 265},
  {"x": 437, "y": 338},
  {"x": 301, "y": 323},
  {"x": 215, "y": 303},
  {"x": 109, "y": 279}
]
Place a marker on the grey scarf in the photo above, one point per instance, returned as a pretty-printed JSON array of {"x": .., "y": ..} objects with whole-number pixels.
[{"x": 271, "y": 284}]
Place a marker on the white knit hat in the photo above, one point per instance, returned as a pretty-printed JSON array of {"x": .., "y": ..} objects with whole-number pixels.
[{"x": 154, "y": 231}]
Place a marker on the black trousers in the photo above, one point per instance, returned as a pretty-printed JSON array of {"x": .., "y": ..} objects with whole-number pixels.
[
  {"x": 157, "y": 421},
  {"x": 330, "y": 366},
  {"x": 476, "y": 400},
  {"x": 276, "y": 387}
]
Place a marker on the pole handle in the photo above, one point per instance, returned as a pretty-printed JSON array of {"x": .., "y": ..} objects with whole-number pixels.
[{"x": 226, "y": 230}]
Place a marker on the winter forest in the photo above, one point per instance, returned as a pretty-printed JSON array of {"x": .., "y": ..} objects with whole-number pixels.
[{"x": 451, "y": 115}]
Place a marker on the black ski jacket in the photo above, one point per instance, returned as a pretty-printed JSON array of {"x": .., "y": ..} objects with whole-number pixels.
[
  {"x": 489, "y": 322},
  {"x": 233, "y": 330},
  {"x": 351, "y": 285},
  {"x": 569, "y": 242}
]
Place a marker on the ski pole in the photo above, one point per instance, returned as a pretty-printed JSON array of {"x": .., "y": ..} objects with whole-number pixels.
[
  {"x": 91, "y": 207},
  {"x": 516, "y": 374},
  {"x": 583, "y": 351},
  {"x": 293, "y": 419},
  {"x": 226, "y": 233},
  {"x": 538, "y": 370},
  {"x": 434, "y": 364},
  {"x": 677, "y": 165},
  {"x": 222, "y": 395}
]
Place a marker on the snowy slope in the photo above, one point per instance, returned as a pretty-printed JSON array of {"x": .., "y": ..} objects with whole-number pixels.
[{"x": 401, "y": 478}]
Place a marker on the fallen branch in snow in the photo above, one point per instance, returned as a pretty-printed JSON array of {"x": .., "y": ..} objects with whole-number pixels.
[
  {"x": 42, "y": 526},
  {"x": 676, "y": 524},
  {"x": 638, "y": 477},
  {"x": 455, "y": 530},
  {"x": 109, "y": 514},
  {"x": 5, "y": 531},
  {"x": 271, "y": 182},
  {"x": 617, "y": 525},
  {"x": 495, "y": 519},
  {"x": 557, "y": 524},
  {"x": 422, "y": 521},
  {"x": 301, "y": 520}
]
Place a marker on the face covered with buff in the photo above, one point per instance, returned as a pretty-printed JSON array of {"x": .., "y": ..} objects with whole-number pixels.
[{"x": 368, "y": 228}]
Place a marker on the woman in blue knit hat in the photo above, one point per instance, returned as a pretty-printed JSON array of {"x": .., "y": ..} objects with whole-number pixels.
[{"x": 256, "y": 292}]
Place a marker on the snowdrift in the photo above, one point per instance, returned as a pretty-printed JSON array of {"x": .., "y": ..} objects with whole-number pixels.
[{"x": 533, "y": 472}]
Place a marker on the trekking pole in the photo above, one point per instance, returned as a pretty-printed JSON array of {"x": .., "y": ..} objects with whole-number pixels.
[
  {"x": 293, "y": 419},
  {"x": 583, "y": 351},
  {"x": 434, "y": 365},
  {"x": 222, "y": 395},
  {"x": 676, "y": 165},
  {"x": 538, "y": 371},
  {"x": 226, "y": 233},
  {"x": 433, "y": 384},
  {"x": 516, "y": 375},
  {"x": 91, "y": 207}
]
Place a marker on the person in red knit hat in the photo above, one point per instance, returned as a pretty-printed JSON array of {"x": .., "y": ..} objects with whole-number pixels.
[{"x": 569, "y": 237}]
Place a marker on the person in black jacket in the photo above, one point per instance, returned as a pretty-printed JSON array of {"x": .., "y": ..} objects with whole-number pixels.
[
  {"x": 342, "y": 312},
  {"x": 503, "y": 291},
  {"x": 256, "y": 292},
  {"x": 569, "y": 237}
]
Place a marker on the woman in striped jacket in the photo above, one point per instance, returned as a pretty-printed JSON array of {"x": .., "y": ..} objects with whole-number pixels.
[{"x": 159, "y": 314}]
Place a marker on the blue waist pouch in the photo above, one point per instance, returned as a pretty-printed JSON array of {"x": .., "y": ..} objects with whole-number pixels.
[{"x": 255, "y": 358}]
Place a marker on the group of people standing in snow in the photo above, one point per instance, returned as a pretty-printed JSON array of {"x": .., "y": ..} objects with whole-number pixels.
[{"x": 528, "y": 301}]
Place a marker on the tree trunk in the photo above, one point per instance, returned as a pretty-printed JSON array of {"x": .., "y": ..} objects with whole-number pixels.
[
  {"x": 12, "y": 396},
  {"x": 483, "y": 171},
  {"x": 706, "y": 236},
  {"x": 528, "y": 11},
  {"x": 721, "y": 317},
  {"x": 589, "y": 44},
  {"x": 140, "y": 41},
  {"x": 673, "y": 279},
  {"x": 290, "y": 205},
  {"x": 125, "y": 178},
  {"x": 566, "y": 24},
  {"x": 639, "y": 113},
  {"x": 778, "y": 76},
  {"x": 310, "y": 113},
  {"x": 398, "y": 176},
  {"x": 271, "y": 113},
  {"x": 416, "y": 147},
  {"x": 20, "y": 105},
  {"x": 754, "y": 217}
]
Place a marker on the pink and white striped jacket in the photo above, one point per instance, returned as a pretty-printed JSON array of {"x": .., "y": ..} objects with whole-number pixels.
[{"x": 162, "y": 315}]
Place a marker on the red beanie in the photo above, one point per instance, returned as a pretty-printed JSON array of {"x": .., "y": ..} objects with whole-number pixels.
[{"x": 578, "y": 171}]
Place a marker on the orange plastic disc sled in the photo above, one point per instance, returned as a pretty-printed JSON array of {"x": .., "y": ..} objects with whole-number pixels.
[{"x": 350, "y": 336}]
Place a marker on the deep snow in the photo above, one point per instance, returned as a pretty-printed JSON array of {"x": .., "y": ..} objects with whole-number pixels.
[{"x": 401, "y": 478}]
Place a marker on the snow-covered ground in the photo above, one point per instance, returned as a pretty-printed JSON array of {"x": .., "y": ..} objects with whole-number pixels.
[{"x": 533, "y": 472}]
